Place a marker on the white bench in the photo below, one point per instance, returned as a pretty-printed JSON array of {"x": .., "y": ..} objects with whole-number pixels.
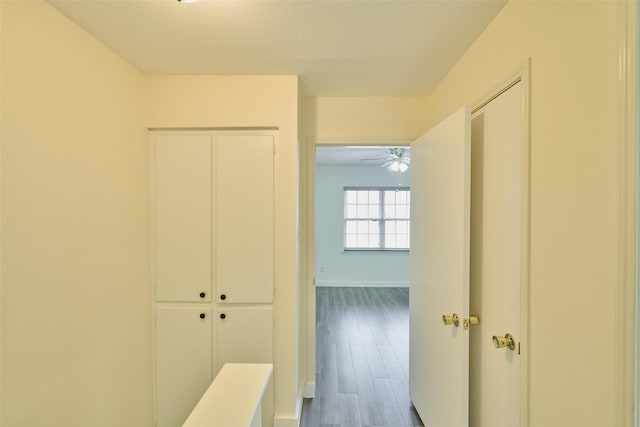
[{"x": 234, "y": 398}]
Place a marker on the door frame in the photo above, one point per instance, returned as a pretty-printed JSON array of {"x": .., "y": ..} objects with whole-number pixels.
[
  {"x": 627, "y": 305},
  {"x": 308, "y": 270},
  {"x": 521, "y": 74}
]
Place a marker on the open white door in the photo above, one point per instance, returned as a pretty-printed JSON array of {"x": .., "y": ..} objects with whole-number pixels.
[{"x": 439, "y": 279}]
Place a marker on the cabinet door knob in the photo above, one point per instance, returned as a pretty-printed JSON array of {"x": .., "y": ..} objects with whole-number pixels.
[
  {"x": 202, "y": 295},
  {"x": 223, "y": 297},
  {"x": 202, "y": 315},
  {"x": 222, "y": 315}
]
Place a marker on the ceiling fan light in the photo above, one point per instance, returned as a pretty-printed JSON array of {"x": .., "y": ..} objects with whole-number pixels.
[{"x": 394, "y": 166}]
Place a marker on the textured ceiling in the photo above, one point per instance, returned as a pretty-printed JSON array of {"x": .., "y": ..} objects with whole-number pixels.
[{"x": 338, "y": 48}]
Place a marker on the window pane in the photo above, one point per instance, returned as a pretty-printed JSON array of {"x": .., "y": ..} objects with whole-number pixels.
[
  {"x": 363, "y": 241},
  {"x": 351, "y": 227},
  {"x": 374, "y": 197},
  {"x": 363, "y": 211},
  {"x": 374, "y": 227},
  {"x": 401, "y": 197},
  {"x": 351, "y": 240},
  {"x": 374, "y": 240},
  {"x": 363, "y": 197},
  {"x": 402, "y": 227},
  {"x": 374, "y": 211},
  {"x": 402, "y": 241},
  {"x": 350, "y": 196},
  {"x": 390, "y": 211},
  {"x": 390, "y": 241},
  {"x": 352, "y": 211},
  {"x": 390, "y": 227},
  {"x": 363, "y": 227},
  {"x": 389, "y": 197}
]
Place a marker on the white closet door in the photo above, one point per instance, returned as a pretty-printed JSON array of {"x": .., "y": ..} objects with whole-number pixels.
[
  {"x": 183, "y": 361},
  {"x": 183, "y": 217},
  {"x": 244, "y": 220},
  {"x": 496, "y": 259}
]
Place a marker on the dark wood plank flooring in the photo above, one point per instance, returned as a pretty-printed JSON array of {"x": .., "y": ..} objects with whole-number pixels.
[{"x": 362, "y": 359}]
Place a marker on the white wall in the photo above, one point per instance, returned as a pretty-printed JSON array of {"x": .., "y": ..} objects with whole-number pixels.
[
  {"x": 335, "y": 267},
  {"x": 76, "y": 343}
]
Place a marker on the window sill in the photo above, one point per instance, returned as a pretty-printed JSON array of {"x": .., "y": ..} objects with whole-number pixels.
[{"x": 401, "y": 251}]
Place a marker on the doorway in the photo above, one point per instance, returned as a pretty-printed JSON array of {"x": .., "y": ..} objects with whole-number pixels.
[{"x": 362, "y": 287}]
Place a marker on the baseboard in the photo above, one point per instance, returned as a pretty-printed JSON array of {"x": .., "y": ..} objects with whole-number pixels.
[
  {"x": 360, "y": 284},
  {"x": 289, "y": 421},
  {"x": 286, "y": 422},
  {"x": 309, "y": 391}
]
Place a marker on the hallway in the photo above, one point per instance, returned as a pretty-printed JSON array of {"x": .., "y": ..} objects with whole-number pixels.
[{"x": 362, "y": 359}]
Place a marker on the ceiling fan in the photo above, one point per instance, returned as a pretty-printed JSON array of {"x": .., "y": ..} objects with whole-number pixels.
[{"x": 397, "y": 159}]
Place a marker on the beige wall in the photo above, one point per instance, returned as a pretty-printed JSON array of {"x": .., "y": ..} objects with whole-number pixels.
[
  {"x": 363, "y": 119},
  {"x": 75, "y": 286},
  {"x": 251, "y": 101},
  {"x": 76, "y": 328},
  {"x": 575, "y": 209}
]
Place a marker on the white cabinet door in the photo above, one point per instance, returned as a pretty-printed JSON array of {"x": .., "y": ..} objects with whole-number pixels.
[
  {"x": 245, "y": 335},
  {"x": 182, "y": 217},
  {"x": 183, "y": 361},
  {"x": 440, "y": 221},
  {"x": 244, "y": 218}
]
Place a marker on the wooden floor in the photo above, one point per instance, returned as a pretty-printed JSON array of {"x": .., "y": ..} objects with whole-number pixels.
[{"x": 362, "y": 341}]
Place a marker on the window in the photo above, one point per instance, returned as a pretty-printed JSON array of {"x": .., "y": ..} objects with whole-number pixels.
[{"x": 376, "y": 218}]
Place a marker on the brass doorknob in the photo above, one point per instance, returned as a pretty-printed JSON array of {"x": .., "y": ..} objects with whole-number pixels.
[
  {"x": 451, "y": 320},
  {"x": 504, "y": 341},
  {"x": 472, "y": 320}
]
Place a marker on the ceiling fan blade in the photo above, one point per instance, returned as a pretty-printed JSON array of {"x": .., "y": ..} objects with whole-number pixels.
[{"x": 377, "y": 158}]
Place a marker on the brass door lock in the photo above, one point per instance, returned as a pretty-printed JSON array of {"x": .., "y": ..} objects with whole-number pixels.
[
  {"x": 472, "y": 320},
  {"x": 504, "y": 341},
  {"x": 451, "y": 320}
]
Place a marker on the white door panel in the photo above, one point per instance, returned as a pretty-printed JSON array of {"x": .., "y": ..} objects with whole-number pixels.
[
  {"x": 245, "y": 335},
  {"x": 244, "y": 220},
  {"x": 496, "y": 258},
  {"x": 183, "y": 361},
  {"x": 440, "y": 204},
  {"x": 182, "y": 217}
]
